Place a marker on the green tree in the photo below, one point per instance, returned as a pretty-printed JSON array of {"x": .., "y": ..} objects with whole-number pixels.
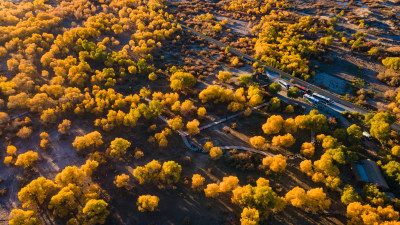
[
  {"x": 355, "y": 133},
  {"x": 371, "y": 194},
  {"x": 380, "y": 125},
  {"x": 380, "y": 130},
  {"x": 262, "y": 198},
  {"x": 317, "y": 121},
  {"x": 274, "y": 88},
  {"x": 293, "y": 93},
  {"x": 340, "y": 134},
  {"x": 392, "y": 171},
  {"x": 275, "y": 103},
  {"x": 244, "y": 80},
  {"x": 349, "y": 195},
  {"x": 342, "y": 154}
]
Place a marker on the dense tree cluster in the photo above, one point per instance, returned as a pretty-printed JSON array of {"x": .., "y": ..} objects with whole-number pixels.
[
  {"x": 339, "y": 152},
  {"x": 89, "y": 141},
  {"x": 19, "y": 216},
  {"x": 349, "y": 195},
  {"x": 254, "y": 7},
  {"x": 69, "y": 60},
  {"x": 286, "y": 140},
  {"x": 392, "y": 172},
  {"x": 276, "y": 163},
  {"x": 312, "y": 200},
  {"x": 237, "y": 99},
  {"x": 69, "y": 196},
  {"x": 380, "y": 125},
  {"x": 260, "y": 197},
  {"x": 392, "y": 62},
  {"x": 216, "y": 94},
  {"x": 323, "y": 170},
  {"x": 366, "y": 214},
  {"x": 282, "y": 45},
  {"x": 169, "y": 172},
  {"x": 314, "y": 121}
]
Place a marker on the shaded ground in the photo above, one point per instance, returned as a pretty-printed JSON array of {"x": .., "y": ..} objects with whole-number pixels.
[{"x": 59, "y": 155}]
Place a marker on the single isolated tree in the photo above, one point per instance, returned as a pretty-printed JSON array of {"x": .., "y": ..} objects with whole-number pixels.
[{"x": 147, "y": 203}]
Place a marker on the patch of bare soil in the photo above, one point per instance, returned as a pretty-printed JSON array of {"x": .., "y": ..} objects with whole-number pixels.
[{"x": 59, "y": 155}]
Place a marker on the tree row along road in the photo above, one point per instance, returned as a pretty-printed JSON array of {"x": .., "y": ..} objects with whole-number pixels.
[{"x": 334, "y": 97}]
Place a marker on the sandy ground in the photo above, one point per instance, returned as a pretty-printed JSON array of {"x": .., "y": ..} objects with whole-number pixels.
[
  {"x": 59, "y": 155},
  {"x": 332, "y": 83},
  {"x": 236, "y": 26}
]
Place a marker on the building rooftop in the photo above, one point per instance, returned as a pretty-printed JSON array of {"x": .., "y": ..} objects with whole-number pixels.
[{"x": 367, "y": 171}]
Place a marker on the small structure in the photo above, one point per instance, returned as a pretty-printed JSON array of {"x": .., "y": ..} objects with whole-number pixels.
[
  {"x": 367, "y": 171},
  {"x": 366, "y": 135}
]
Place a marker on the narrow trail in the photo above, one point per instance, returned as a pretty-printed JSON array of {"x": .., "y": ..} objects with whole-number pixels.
[
  {"x": 184, "y": 134},
  {"x": 231, "y": 117},
  {"x": 246, "y": 149},
  {"x": 14, "y": 117}
]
